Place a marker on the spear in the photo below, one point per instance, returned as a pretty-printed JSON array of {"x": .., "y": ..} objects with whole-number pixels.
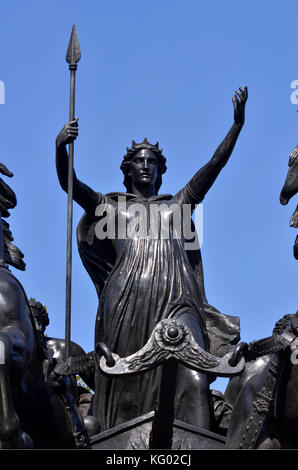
[{"x": 73, "y": 56}]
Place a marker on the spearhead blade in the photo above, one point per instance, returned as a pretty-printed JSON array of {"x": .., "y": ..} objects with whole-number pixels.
[{"x": 73, "y": 53}]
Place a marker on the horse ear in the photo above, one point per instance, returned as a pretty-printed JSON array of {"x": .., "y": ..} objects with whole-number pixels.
[
  {"x": 5, "y": 171},
  {"x": 293, "y": 156}
]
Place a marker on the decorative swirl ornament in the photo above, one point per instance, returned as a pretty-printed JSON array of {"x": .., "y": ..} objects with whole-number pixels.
[{"x": 170, "y": 340}]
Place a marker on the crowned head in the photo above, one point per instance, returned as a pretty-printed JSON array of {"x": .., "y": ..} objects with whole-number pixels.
[{"x": 136, "y": 149}]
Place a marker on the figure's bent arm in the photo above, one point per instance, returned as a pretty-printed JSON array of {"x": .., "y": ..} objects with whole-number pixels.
[
  {"x": 199, "y": 185},
  {"x": 86, "y": 197},
  {"x": 202, "y": 181}
]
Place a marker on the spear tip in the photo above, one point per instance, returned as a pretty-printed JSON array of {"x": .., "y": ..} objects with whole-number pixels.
[{"x": 73, "y": 53}]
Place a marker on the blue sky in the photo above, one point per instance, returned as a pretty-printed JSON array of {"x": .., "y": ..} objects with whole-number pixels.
[{"x": 165, "y": 70}]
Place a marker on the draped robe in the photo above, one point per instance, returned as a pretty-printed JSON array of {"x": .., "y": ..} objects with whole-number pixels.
[{"x": 140, "y": 281}]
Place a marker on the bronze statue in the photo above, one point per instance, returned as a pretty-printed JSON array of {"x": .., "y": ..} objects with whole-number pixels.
[
  {"x": 34, "y": 411},
  {"x": 158, "y": 342},
  {"x": 289, "y": 190},
  {"x": 141, "y": 280},
  {"x": 55, "y": 349},
  {"x": 264, "y": 397}
]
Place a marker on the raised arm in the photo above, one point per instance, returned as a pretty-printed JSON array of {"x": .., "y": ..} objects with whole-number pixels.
[
  {"x": 202, "y": 181},
  {"x": 82, "y": 194}
]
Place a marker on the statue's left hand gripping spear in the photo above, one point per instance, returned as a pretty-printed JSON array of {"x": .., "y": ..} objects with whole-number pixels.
[{"x": 73, "y": 56}]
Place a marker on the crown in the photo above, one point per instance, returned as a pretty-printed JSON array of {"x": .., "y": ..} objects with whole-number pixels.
[{"x": 143, "y": 145}]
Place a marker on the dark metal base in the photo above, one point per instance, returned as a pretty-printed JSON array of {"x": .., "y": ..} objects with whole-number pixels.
[{"x": 135, "y": 434}]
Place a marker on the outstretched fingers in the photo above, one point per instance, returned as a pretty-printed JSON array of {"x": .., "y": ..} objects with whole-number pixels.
[
  {"x": 243, "y": 94},
  {"x": 239, "y": 100}
]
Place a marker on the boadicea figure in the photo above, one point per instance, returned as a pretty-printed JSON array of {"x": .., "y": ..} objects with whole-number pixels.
[{"x": 143, "y": 276}]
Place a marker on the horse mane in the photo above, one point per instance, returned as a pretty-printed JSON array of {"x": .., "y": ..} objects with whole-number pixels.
[{"x": 12, "y": 254}]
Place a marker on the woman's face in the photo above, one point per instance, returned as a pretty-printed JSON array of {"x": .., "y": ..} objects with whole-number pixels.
[{"x": 143, "y": 168}]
